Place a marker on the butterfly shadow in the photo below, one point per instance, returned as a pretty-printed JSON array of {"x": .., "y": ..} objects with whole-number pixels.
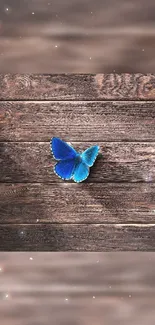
[{"x": 105, "y": 188}]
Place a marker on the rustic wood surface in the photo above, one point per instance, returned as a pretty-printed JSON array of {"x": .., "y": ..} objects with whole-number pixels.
[
  {"x": 89, "y": 121},
  {"x": 77, "y": 237},
  {"x": 119, "y": 161},
  {"x": 86, "y": 203},
  {"x": 77, "y": 288},
  {"x": 114, "y": 208},
  {"x": 77, "y": 86}
]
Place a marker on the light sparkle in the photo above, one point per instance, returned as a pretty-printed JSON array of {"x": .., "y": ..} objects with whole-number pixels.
[
  {"x": 7, "y": 10},
  {"x": 22, "y": 233},
  {"x": 6, "y": 296}
]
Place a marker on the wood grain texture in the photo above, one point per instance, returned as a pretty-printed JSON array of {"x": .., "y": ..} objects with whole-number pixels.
[
  {"x": 69, "y": 203},
  {"x": 119, "y": 162},
  {"x": 77, "y": 121},
  {"x": 77, "y": 86},
  {"x": 114, "y": 208},
  {"x": 63, "y": 237}
]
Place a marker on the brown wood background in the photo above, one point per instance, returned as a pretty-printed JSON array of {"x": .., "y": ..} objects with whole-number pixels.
[
  {"x": 77, "y": 36},
  {"x": 77, "y": 288},
  {"x": 115, "y": 208}
]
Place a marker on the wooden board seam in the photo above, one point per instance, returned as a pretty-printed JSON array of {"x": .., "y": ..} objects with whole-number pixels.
[
  {"x": 82, "y": 141},
  {"x": 79, "y": 100},
  {"x": 113, "y": 224}
]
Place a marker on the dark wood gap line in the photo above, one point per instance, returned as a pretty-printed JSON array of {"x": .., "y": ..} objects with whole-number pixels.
[
  {"x": 79, "y": 100},
  {"x": 143, "y": 225},
  {"x": 83, "y": 141},
  {"x": 133, "y": 224},
  {"x": 76, "y": 184}
]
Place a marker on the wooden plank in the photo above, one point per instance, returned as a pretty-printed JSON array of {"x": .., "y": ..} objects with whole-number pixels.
[
  {"x": 77, "y": 275},
  {"x": 101, "y": 36},
  {"x": 82, "y": 311},
  {"x": 69, "y": 203},
  {"x": 74, "y": 121},
  {"x": 99, "y": 237},
  {"x": 77, "y": 86},
  {"x": 116, "y": 287},
  {"x": 120, "y": 162}
]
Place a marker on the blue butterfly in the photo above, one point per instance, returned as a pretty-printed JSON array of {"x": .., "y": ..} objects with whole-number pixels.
[{"x": 71, "y": 164}]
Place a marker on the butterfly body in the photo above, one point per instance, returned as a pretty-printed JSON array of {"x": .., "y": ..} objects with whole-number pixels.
[{"x": 71, "y": 164}]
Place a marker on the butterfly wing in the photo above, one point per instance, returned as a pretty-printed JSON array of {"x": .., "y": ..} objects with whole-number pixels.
[
  {"x": 89, "y": 156},
  {"x": 65, "y": 168},
  {"x": 81, "y": 172},
  {"x": 61, "y": 150},
  {"x": 69, "y": 166}
]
